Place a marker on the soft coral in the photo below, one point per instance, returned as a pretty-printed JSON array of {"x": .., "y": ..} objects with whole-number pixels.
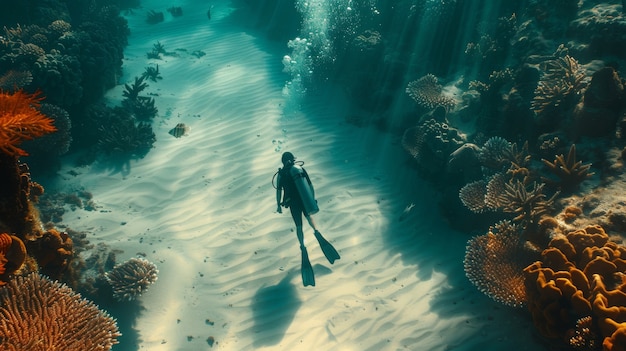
[{"x": 20, "y": 120}]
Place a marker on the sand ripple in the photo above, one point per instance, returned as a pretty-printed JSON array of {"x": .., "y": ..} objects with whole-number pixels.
[{"x": 202, "y": 208}]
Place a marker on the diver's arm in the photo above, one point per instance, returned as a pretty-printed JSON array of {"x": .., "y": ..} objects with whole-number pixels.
[{"x": 279, "y": 193}]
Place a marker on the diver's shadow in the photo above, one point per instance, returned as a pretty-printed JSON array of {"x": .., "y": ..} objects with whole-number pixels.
[{"x": 274, "y": 308}]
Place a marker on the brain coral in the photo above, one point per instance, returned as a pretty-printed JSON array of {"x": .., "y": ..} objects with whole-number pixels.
[{"x": 581, "y": 275}]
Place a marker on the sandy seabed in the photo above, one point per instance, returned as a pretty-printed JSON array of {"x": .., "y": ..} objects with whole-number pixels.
[{"x": 202, "y": 208}]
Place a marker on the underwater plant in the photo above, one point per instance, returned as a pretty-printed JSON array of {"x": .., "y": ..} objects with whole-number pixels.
[
  {"x": 153, "y": 17},
  {"x": 131, "y": 92},
  {"x": 157, "y": 50},
  {"x": 123, "y": 136},
  {"x": 142, "y": 108},
  {"x": 152, "y": 73},
  {"x": 175, "y": 11}
]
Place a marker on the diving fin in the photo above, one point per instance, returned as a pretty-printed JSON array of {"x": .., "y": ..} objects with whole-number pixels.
[
  {"x": 328, "y": 249},
  {"x": 308, "y": 277}
]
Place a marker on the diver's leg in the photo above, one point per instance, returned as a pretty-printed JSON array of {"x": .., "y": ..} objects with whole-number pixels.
[
  {"x": 296, "y": 214},
  {"x": 309, "y": 218}
]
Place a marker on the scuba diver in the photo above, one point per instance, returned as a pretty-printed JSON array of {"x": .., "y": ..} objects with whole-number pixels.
[{"x": 299, "y": 197}]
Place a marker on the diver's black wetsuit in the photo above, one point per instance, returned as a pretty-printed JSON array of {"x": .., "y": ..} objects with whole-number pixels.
[{"x": 291, "y": 196}]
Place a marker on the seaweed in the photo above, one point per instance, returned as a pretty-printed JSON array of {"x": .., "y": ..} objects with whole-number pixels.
[
  {"x": 153, "y": 17},
  {"x": 175, "y": 11},
  {"x": 152, "y": 73},
  {"x": 131, "y": 92},
  {"x": 142, "y": 108},
  {"x": 157, "y": 50}
]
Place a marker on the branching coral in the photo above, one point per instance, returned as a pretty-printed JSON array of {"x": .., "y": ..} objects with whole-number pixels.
[
  {"x": 427, "y": 92},
  {"x": 131, "y": 278},
  {"x": 20, "y": 120},
  {"x": 494, "y": 263},
  {"x": 580, "y": 276},
  {"x": 560, "y": 85},
  {"x": 39, "y": 314},
  {"x": 569, "y": 171},
  {"x": 527, "y": 204}
]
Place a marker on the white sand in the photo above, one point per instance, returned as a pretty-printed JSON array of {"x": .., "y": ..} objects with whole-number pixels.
[{"x": 203, "y": 209}]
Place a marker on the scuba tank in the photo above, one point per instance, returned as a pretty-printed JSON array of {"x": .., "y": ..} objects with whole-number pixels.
[{"x": 305, "y": 189}]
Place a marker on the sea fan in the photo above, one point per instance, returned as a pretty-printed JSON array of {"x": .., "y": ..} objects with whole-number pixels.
[{"x": 20, "y": 120}]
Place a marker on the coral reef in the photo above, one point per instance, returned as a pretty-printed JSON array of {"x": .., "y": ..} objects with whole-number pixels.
[
  {"x": 579, "y": 276},
  {"x": 13, "y": 254},
  {"x": 20, "y": 121},
  {"x": 17, "y": 215},
  {"x": 494, "y": 263},
  {"x": 600, "y": 28},
  {"x": 13, "y": 80},
  {"x": 599, "y": 109},
  {"x": 131, "y": 278},
  {"x": 44, "y": 152},
  {"x": 558, "y": 91},
  {"x": 427, "y": 92},
  {"x": 570, "y": 173},
  {"x": 53, "y": 251},
  {"x": 430, "y": 143},
  {"x": 39, "y": 314}
]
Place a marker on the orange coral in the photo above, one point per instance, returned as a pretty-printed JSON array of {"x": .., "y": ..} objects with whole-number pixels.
[
  {"x": 20, "y": 120},
  {"x": 494, "y": 263},
  {"x": 13, "y": 253},
  {"x": 580, "y": 276},
  {"x": 39, "y": 314},
  {"x": 53, "y": 252}
]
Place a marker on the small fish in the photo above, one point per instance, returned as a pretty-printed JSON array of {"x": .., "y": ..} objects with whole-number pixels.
[
  {"x": 180, "y": 130},
  {"x": 406, "y": 212}
]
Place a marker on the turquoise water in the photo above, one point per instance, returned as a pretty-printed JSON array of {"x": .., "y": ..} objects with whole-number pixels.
[{"x": 382, "y": 100}]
